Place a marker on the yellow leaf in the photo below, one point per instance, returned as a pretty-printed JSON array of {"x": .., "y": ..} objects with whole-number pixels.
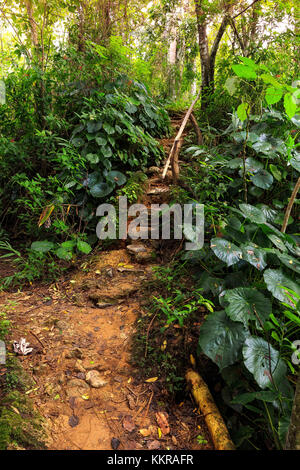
[
  {"x": 152, "y": 379},
  {"x": 164, "y": 345},
  {"x": 192, "y": 360},
  {"x": 145, "y": 432},
  {"x": 45, "y": 214},
  {"x": 159, "y": 433},
  {"x": 85, "y": 397}
]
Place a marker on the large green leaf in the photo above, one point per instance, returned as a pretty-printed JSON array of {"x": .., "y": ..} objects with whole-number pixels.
[
  {"x": 92, "y": 158},
  {"x": 267, "y": 78},
  {"x": 243, "y": 111},
  {"x": 101, "y": 189},
  {"x": 101, "y": 141},
  {"x": 247, "y": 304},
  {"x": 252, "y": 165},
  {"x": 276, "y": 282},
  {"x": 273, "y": 95},
  {"x": 290, "y": 105},
  {"x": 262, "y": 179},
  {"x": 222, "y": 339},
  {"x": 252, "y": 213},
  {"x": 226, "y": 251},
  {"x": 264, "y": 362},
  {"x": 63, "y": 253},
  {"x": 254, "y": 255},
  {"x": 244, "y": 71},
  {"x": 295, "y": 161},
  {"x": 108, "y": 128},
  {"x": 290, "y": 262},
  {"x": 84, "y": 247},
  {"x": 42, "y": 246},
  {"x": 231, "y": 85},
  {"x": 116, "y": 177}
]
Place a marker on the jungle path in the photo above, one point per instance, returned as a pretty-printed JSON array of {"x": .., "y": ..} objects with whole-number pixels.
[{"x": 81, "y": 330}]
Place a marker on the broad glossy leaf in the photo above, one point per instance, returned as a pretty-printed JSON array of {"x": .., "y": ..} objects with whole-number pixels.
[
  {"x": 262, "y": 179},
  {"x": 108, "y": 128},
  {"x": 254, "y": 255},
  {"x": 92, "y": 158},
  {"x": 244, "y": 71},
  {"x": 269, "y": 213},
  {"x": 253, "y": 165},
  {"x": 267, "y": 78},
  {"x": 253, "y": 213},
  {"x": 42, "y": 246},
  {"x": 276, "y": 282},
  {"x": 273, "y": 95},
  {"x": 290, "y": 105},
  {"x": 106, "y": 152},
  {"x": 63, "y": 253},
  {"x": 101, "y": 189},
  {"x": 68, "y": 245},
  {"x": 226, "y": 251},
  {"x": 264, "y": 362},
  {"x": 101, "y": 141},
  {"x": 222, "y": 339},
  {"x": 247, "y": 304},
  {"x": 243, "y": 111},
  {"x": 116, "y": 177},
  {"x": 290, "y": 262},
  {"x": 295, "y": 162}
]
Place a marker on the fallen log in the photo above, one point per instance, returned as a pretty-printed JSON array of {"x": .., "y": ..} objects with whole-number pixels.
[{"x": 205, "y": 402}]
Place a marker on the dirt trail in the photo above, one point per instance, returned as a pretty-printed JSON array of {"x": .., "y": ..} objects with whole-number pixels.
[{"x": 81, "y": 328}]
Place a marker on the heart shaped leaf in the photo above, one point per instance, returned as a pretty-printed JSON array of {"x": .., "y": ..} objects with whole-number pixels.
[
  {"x": 264, "y": 362},
  {"x": 226, "y": 251},
  {"x": 247, "y": 304},
  {"x": 222, "y": 339}
]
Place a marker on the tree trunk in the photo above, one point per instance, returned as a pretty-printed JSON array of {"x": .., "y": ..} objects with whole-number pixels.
[{"x": 208, "y": 58}]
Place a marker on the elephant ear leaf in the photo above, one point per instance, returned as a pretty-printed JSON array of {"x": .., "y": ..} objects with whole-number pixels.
[
  {"x": 101, "y": 189},
  {"x": 255, "y": 256},
  {"x": 42, "y": 246},
  {"x": 280, "y": 285},
  {"x": 226, "y": 251},
  {"x": 247, "y": 304},
  {"x": 116, "y": 177},
  {"x": 252, "y": 213},
  {"x": 222, "y": 339},
  {"x": 264, "y": 362}
]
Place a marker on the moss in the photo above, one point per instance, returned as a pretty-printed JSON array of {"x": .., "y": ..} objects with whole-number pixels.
[
  {"x": 16, "y": 377},
  {"x": 19, "y": 423},
  {"x": 21, "y": 427}
]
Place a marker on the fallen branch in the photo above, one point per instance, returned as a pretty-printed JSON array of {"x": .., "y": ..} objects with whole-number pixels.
[
  {"x": 178, "y": 137},
  {"x": 196, "y": 129},
  {"x": 208, "y": 408},
  {"x": 290, "y": 205}
]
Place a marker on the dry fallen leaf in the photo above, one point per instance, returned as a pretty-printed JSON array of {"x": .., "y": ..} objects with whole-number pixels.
[
  {"x": 131, "y": 402},
  {"x": 162, "y": 421},
  {"x": 128, "y": 423},
  {"x": 153, "y": 445}
]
